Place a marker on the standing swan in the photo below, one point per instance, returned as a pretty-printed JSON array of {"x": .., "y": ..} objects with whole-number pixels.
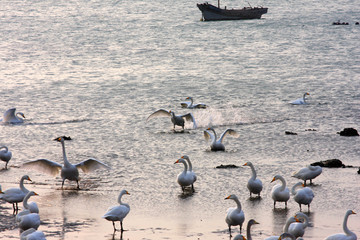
[
  {"x": 302, "y": 196},
  {"x": 190, "y": 171},
  {"x": 5, "y": 155},
  {"x": 308, "y": 173},
  {"x": 68, "y": 171},
  {"x": 15, "y": 195},
  {"x": 191, "y": 104},
  {"x": 11, "y": 117},
  {"x": 280, "y": 193},
  {"x": 254, "y": 185},
  {"x": 300, "y": 101},
  {"x": 349, "y": 235},
  {"x": 118, "y": 213},
  {"x": 185, "y": 178},
  {"x": 178, "y": 120},
  {"x": 235, "y": 216},
  {"x": 216, "y": 144}
]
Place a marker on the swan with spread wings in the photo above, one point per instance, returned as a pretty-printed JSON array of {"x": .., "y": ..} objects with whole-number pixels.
[
  {"x": 68, "y": 171},
  {"x": 177, "y": 120}
]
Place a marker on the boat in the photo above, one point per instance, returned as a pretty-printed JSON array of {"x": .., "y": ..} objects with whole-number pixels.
[{"x": 213, "y": 13}]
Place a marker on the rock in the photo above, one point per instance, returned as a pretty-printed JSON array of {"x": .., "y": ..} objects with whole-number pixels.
[
  {"x": 349, "y": 132},
  {"x": 331, "y": 163},
  {"x": 227, "y": 166},
  {"x": 290, "y": 133},
  {"x": 359, "y": 171}
]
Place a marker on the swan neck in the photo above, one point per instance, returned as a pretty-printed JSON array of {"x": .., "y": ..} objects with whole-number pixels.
[
  {"x": 192, "y": 102},
  {"x": 248, "y": 233},
  {"x": 22, "y": 187},
  {"x": 66, "y": 162},
  {"x": 185, "y": 166},
  {"x": 237, "y": 203},
  {"x": 345, "y": 227},
  {"x": 119, "y": 199},
  {"x": 5, "y": 147},
  {"x": 190, "y": 165},
  {"x": 253, "y": 171},
  {"x": 293, "y": 189},
  {"x": 283, "y": 183},
  {"x": 25, "y": 201}
]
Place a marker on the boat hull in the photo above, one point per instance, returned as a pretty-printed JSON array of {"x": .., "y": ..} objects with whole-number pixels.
[{"x": 212, "y": 13}]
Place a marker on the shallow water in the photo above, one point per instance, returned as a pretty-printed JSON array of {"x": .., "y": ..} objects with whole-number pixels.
[{"x": 95, "y": 70}]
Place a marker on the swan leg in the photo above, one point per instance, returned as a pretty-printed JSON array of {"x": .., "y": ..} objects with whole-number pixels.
[
  {"x": 286, "y": 204},
  {"x": 230, "y": 230},
  {"x": 274, "y": 203},
  {"x": 240, "y": 228},
  {"x": 14, "y": 209},
  {"x": 62, "y": 185},
  {"x": 114, "y": 226},
  {"x": 121, "y": 225},
  {"x": 6, "y": 165},
  {"x": 192, "y": 187},
  {"x": 77, "y": 182},
  {"x": 300, "y": 206},
  {"x": 308, "y": 207}
]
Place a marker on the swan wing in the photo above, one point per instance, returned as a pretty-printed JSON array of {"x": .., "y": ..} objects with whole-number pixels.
[
  {"x": 117, "y": 213},
  {"x": 185, "y": 104},
  {"x": 227, "y": 132},
  {"x": 44, "y": 165},
  {"x": 159, "y": 113},
  {"x": 91, "y": 165},
  {"x": 208, "y": 135},
  {"x": 190, "y": 117},
  {"x": 200, "y": 105}
]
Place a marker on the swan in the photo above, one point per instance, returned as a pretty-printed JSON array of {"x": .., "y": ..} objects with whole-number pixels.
[
  {"x": 191, "y": 104},
  {"x": 280, "y": 193},
  {"x": 68, "y": 171},
  {"x": 190, "y": 171},
  {"x": 349, "y": 235},
  {"x": 11, "y": 117},
  {"x": 28, "y": 207},
  {"x": 185, "y": 178},
  {"x": 216, "y": 144},
  {"x": 286, "y": 235},
  {"x": 248, "y": 228},
  {"x": 178, "y": 120},
  {"x": 300, "y": 101},
  {"x": 302, "y": 196},
  {"x": 298, "y": 228},
  {"x": 5, "y": 155},
  {"x": 254, "y": 185},
  {"x": 234, "y": 216},
  {"x": 31, "y": 220},
  {"x": 308, "y": 173},
  {"x": 32, "y": 234},
  {"x": 119, "y": 212},
  {"x": 289, "y": 221},
  {"x": 239, "y": 237},
  {"x": 15, "y": 195}
]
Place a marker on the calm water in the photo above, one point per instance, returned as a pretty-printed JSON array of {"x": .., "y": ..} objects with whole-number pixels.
[{"x": 95, "y": 70}]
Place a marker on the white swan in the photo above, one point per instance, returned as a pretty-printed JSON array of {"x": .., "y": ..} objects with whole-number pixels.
[
  {"x": 190, "y": 171},
  {"x": 31, "y": 220},
  {"x": 68, "y": 171},
  {"x": 185, "y": 178},
  {"x": 5, "y": 155},
  {"x": 289, "y": 221},
  {"x": 248, "y": 228},
  {"x": 298, "y": 228},
  {"x": 254, "y": 185},
  {"x": 216, "y": 144},
  {"x": 302, "y": 196},
  {"x": 177, "y": 120},
  {"x": 235, "y": 216},
  {"x": 31, "y": 207},
  {"x": 32, "y": 234},
  {"x": 15, "y": 195},
  {"x": 349, "y": 235},
  {"x": 119, "y": 212},
  {"x": 300, "y": 101},
  {"x": 280, "y": 193},
  {"x": 11, "y": 117},
  {"x": 191, "y": 104},
  {"x": 308, "y": 173}
]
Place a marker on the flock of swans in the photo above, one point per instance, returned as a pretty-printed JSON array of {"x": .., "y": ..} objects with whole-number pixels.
[{"x": 29, "y": 220}]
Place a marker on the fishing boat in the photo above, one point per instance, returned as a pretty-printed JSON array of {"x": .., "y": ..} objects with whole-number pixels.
[{"x": 213, "y": 13}]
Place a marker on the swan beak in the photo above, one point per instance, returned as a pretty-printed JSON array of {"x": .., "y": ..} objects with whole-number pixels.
[
  {"x": 353, "y": 212},
  {"x": 127, "y": 193},
  {"x": 273, "y": 180},
  {"x": 208, "y": 129},
  {"x": 297, "y": 220},
  {"x": 36, "y": 194},
  {"x": 303, "y": 185},
  {"x": 228, "y": 197},
  {"x": 255, "y": 222},
  {"x": 177, "y": 161},
  {"x": 245, "y": 164},
  {"x": 29, "y": 179},
  {"x": 1, "y": 191}
]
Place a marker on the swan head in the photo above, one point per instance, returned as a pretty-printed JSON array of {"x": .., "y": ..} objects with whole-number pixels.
[
  {"x": 21, "y": 114},
  {"x": 232, "y": 196},
  {"x": 185, "y": 157},
  {"x": 26, "y": 177},
  {"x": 124, "y": 192},
  {"x": 247, "y": 164},
  {"x": 252, "y": 222},
  {"x": 180, "y": 160},
  {"x": 276, "y": 177}
]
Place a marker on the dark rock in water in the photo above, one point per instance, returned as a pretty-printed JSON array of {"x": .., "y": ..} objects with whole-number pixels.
[
  {"x": 290, "y": 133},
  {"x": 359, "y": 171},
  {"x": 227, "y": 166},
  {"x": 64, "y": 137},
  {"x": 311, "y": 129},
  {"x": 331, "y": 163},
  {"x": 349, "y": 132}
]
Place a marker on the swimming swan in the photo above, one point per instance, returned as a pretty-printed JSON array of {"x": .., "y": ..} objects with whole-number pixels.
[
  {"x": 216, "y": 144},
  {"x": 177, "y": 120},
  {"x": 16, "y": 195},
  {"x": 191, "y": 104},
  {"x": 185, "y": 178},
  {"x": 300, "y": 101},
  {"x": 349, "y": 235},
  {"x": 308, "y": 173},
  {"x": 302, "y": 196},
  {"x": 119, "y": 212},
  {"x": 5, "y": 155},
  {"x": 254, "y": 185},
  {"x": 68, "y": 171},
  {"x": 234, "y": 216},
  {"x": 280, "y": 193},
  {"x": 11, "y": 117}
]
